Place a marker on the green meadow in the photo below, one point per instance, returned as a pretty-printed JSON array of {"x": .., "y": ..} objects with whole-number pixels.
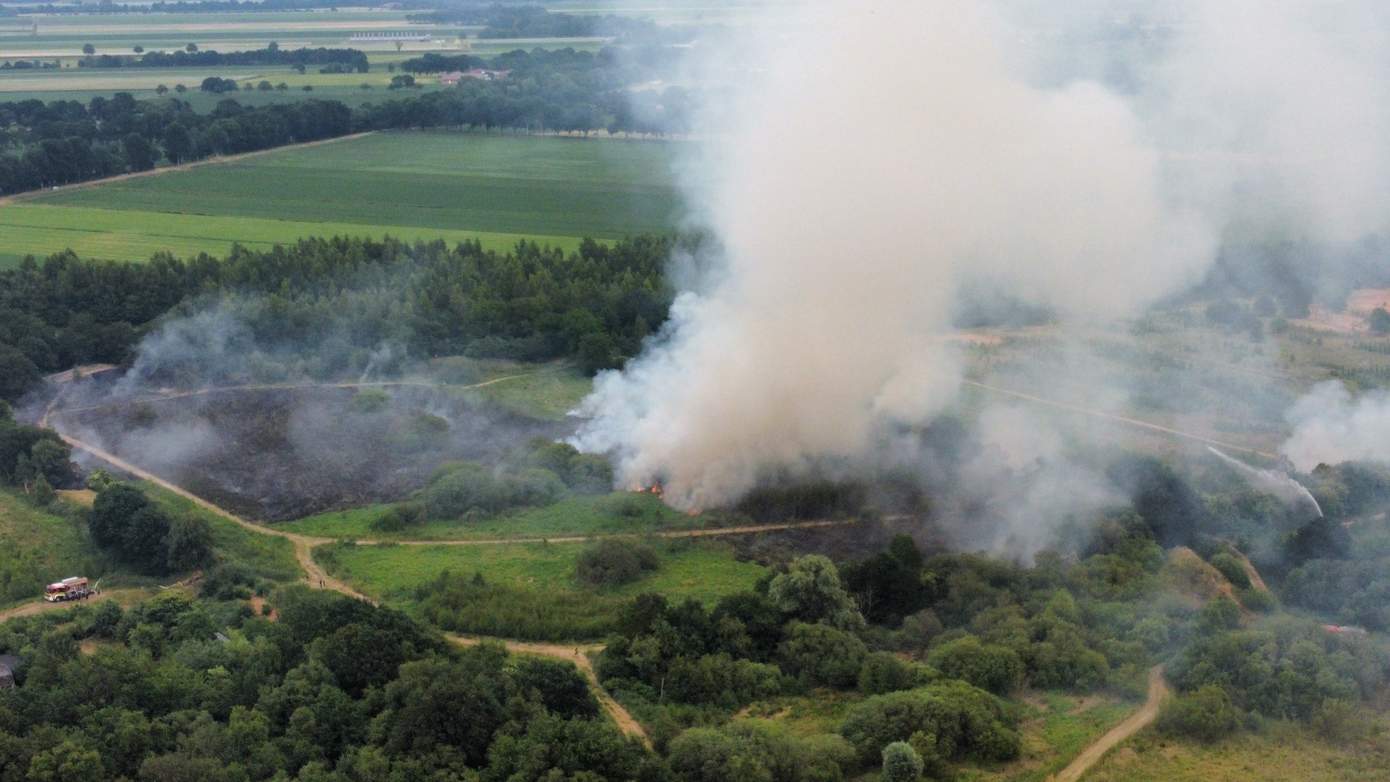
[
  {"x": 529, "y": 590},
  {"x": 413, "y": 186},
  {"x": 41, "y": 546}
]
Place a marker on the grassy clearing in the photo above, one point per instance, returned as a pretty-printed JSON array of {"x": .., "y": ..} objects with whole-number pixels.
[
  {"x": 619, "y": 512},
  {"x": 549, "y": 393},
  {"x": 41, "y": 546},
  {"x": 1280, "y": 753},
  {"x": 412, "y": 185},
  {"x": 263, "y": 556},
  {"x": 529, "y": 589},
  {"x": 1056, "y": 727}
]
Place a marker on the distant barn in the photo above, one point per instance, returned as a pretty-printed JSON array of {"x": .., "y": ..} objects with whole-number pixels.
[
  {"x": 481, "y": 74},
  {"x": 391, "y": 35}
]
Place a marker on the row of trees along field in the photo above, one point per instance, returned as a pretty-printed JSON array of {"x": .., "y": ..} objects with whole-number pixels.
[
  {"x": 62, "y": 142},
  {"x": 332, "y": 299},
  {"x": 353, "y": 59}
]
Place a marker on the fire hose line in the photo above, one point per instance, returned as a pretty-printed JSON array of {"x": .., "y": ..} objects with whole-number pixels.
[{"x": 1119, "y": 419}]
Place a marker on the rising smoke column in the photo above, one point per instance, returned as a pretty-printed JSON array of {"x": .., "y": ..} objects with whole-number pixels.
[
  {"x": 880, "y": 157},
  {"x": 1330, "y": 426}
]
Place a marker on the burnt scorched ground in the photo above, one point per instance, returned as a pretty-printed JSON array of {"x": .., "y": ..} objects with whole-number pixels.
[{"x": 277, "y": 454}]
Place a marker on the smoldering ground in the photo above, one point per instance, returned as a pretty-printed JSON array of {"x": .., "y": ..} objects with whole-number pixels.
[
  {"x": 276, "y": 454},
  {"x": 876, "y": 163}
]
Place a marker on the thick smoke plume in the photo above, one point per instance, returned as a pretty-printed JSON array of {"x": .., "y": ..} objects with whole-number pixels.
[
  {"x": 878, "y": 159},
  {"x": 1331, "y": 426}
]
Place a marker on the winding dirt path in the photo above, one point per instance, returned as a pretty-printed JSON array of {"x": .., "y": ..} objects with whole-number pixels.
[
  {"x": 1158, "y": 690},
  {"x": 213, "y": 161},
  {"x": 316, "y": 577}
]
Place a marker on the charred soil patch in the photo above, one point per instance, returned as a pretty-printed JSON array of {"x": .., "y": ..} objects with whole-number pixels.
[{"x": 275, "y": 454}]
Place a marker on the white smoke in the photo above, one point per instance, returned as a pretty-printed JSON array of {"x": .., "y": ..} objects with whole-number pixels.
[
  {"x": 1330, "y": 426},
  {"x": 884, "y": 155}
]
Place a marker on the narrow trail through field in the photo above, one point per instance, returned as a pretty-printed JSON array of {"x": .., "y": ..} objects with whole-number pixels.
[
  {"x": 213, "y": 161},
  {"x": 1158, "y": 690},
  {"x": 1118, "y": 419}
]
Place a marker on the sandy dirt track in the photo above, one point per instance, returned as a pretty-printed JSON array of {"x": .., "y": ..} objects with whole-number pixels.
[{"x": 1158, "y": 690}]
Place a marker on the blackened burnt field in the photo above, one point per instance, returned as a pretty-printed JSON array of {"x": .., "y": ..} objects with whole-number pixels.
[{"x": 276, "y": 454}]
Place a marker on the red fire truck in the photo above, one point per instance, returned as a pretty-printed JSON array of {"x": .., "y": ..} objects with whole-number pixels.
[{"x": 75, "y": 588}]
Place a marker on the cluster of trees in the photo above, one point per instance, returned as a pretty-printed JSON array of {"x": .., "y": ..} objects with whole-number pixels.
[
  {"x": 334, "y": 690},
  {"x": 136, "y": 531},
  {"x": 1284, "y": 668},
  {"x": 32, "y": 459},
  {"x": 354, "y": 59},
  {"x": 594, "y": 305},
  {"x": 679, "y": 666}
]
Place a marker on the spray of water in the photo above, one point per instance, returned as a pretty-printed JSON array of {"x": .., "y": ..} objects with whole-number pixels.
[{"x": 1279, "y": 484}]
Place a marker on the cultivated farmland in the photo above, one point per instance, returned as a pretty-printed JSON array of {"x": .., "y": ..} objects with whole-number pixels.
[{"x": 414, "y": 186}]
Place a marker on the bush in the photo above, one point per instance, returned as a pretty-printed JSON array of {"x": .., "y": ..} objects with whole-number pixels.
[
  {"x": 1206, "y": 715},
  {"x": 885, "y": 672},
  {"x": 987, "y": 666},
  {"x": 955, "y": 721},
  {"x": 758, "y": 750},
  {"x": 398, "y": 517},
  {"x": 901, "y": 763},
  {"x": 463, "y": 487},
  {"x": 1231, "y": 568},
  {"x": 822, "y": 655},
  {"x": 613, "y": 562}
]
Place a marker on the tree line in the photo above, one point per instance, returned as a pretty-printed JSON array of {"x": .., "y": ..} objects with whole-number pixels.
[
  {"x": 354, "y": 59},
  {"x": 336, "y": 299}
]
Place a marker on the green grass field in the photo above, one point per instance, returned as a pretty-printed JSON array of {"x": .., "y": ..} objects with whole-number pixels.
[
  {"x": 40, "y": 546},
  {"x": 410, "y": 185},
  {"x": 1281, "y": 752},
  {"x": 531, "y": 590},
  {"x": 619, "y": 512},
  {"x": 262, "y": 556}
]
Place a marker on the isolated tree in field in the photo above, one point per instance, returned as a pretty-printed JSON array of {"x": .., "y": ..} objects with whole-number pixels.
[
  {"x": 138, "y": 49},
  {"x": 180, "y": 88},
  {"x": 88, "y": 49},
  {"x": 188, "y": 544},
  {"x": 901, "y": 763},
  {"x": 162, "y": 89},
  {"x": 191, "y": 48},
  {"x": 1380, "y": 321},
  {"x": 264, "y": 86}
]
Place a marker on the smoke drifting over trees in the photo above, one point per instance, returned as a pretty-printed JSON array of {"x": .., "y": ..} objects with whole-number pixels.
[{"x": 880, "y": 159}]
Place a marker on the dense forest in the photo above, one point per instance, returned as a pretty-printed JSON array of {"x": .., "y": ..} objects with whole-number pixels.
[
  {"x": 61, "y": 142},
  {"x": 336, "y": 300},
  {"x": 331, "y": 689}
]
